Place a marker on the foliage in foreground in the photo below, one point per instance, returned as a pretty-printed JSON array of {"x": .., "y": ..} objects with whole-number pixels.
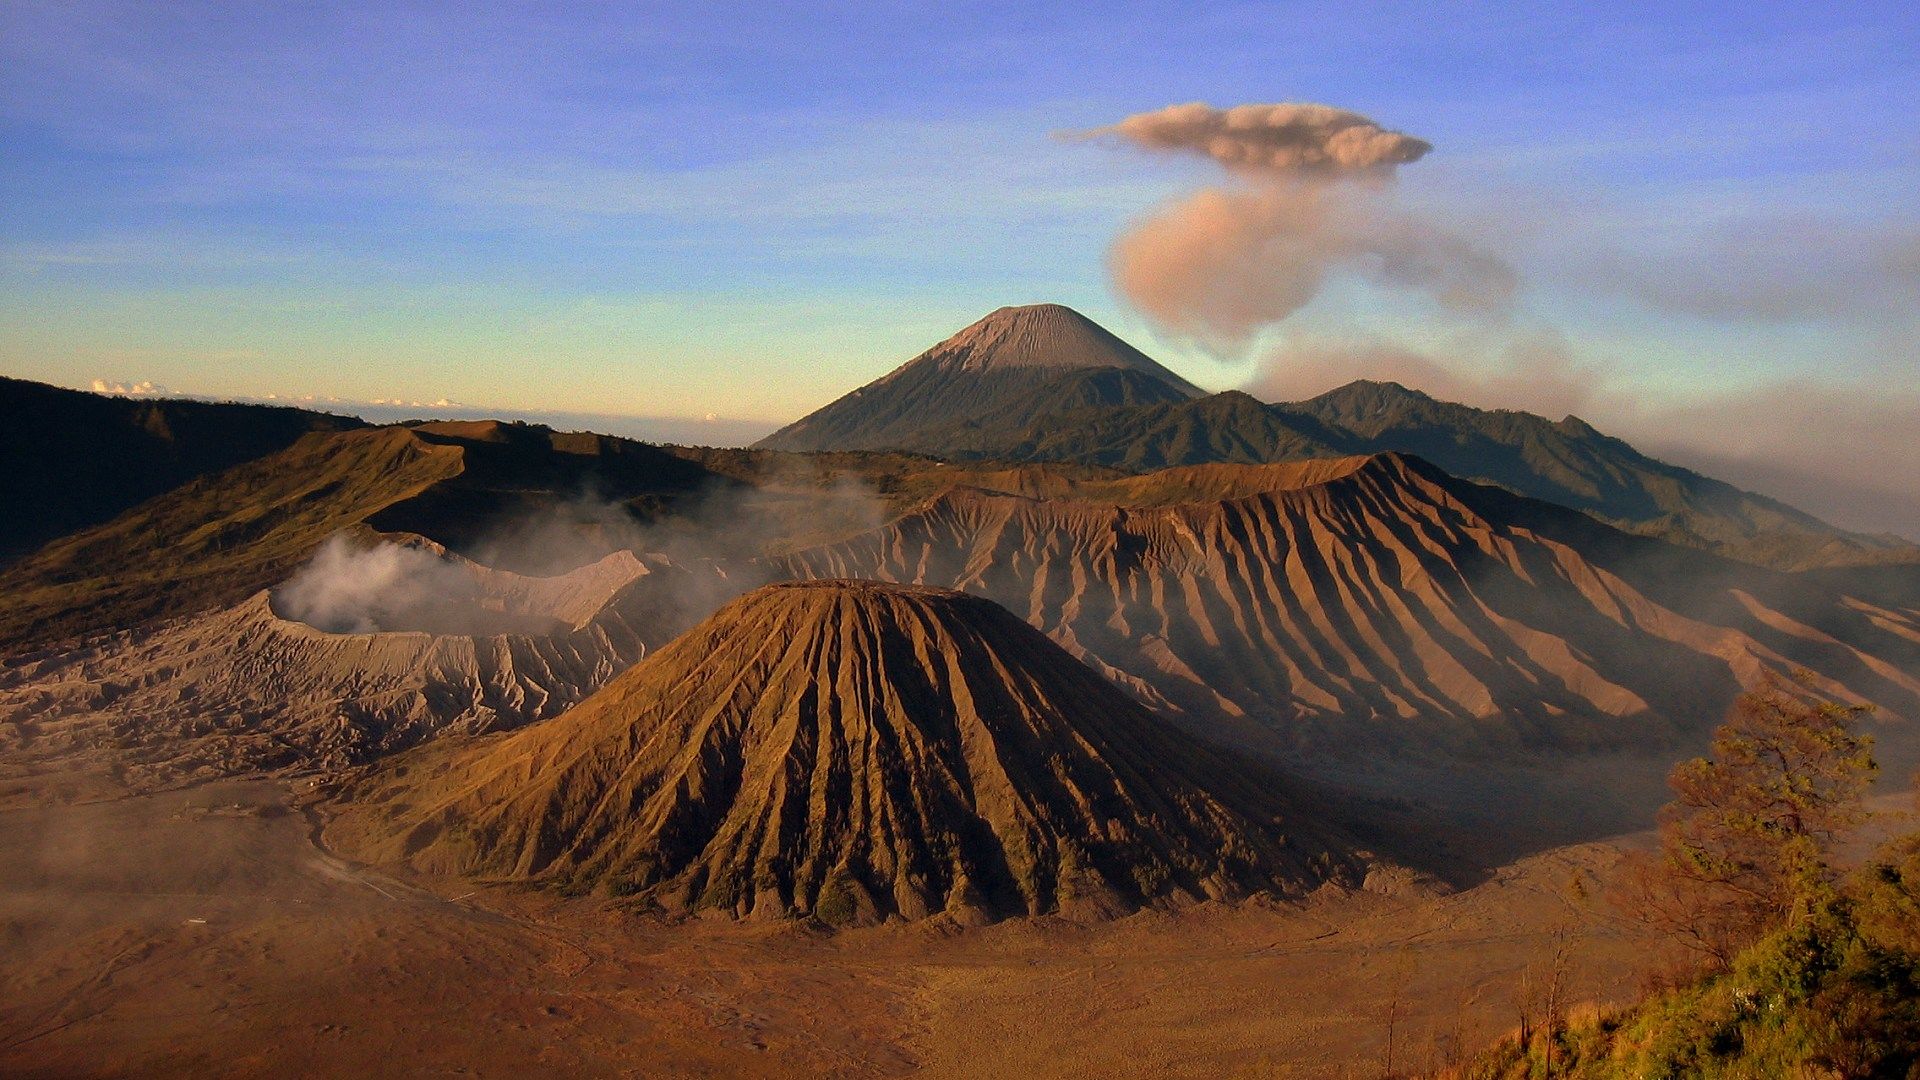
[
  {"x": 1805, "y": 974},
  {"x": 1835, "y": 993}
]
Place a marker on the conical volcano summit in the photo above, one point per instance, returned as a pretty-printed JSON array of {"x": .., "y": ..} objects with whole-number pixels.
[
  {"x": 852, "y": 750},
  {"x": 986, "y": 384}
]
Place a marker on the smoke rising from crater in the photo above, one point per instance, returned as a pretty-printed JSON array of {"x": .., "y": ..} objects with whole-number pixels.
[
  {"x": 348, "y": 588},
  {"x": 1312, "y": 196},
  {"x": 701, "y": 551}
]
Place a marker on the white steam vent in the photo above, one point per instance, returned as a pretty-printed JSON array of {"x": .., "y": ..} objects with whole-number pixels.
[{"x": 355, "y": 588}]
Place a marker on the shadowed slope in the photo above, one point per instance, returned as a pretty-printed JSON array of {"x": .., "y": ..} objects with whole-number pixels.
[
  {"x": 1376, "y": 602},
  {"x": 75, "y": 459},
  {"x": 849, "y": 750},
  {"x": 985, "y": 384}
]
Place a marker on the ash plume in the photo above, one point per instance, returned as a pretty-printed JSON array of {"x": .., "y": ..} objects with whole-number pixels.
[
  {"x": 1285, "y": 139},
  {"x": 1311, "y": 195}
]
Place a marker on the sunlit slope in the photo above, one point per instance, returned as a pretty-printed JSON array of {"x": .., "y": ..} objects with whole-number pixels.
[
  {"x": 985, "y": 384},
  {"x": 1376, "y": 602},
  {"x": 223, "y": 537},
  {"x": 851, "y": 750}
]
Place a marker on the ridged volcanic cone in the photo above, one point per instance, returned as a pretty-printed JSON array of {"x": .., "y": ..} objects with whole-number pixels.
[{"x": 850, "y": 750}]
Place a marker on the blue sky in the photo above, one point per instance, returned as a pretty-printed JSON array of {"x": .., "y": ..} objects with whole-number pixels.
[{"x": 746, "y": 209}]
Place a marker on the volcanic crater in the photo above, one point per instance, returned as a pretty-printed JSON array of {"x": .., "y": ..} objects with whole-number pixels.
[{"x": 276, "y": 682}]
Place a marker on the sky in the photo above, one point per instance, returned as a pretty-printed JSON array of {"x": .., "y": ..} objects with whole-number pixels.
[{"x": 729, "y": 214}]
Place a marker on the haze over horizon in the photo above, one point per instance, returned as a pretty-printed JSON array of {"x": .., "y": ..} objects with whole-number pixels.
[{"x": 1709, "y": 220}]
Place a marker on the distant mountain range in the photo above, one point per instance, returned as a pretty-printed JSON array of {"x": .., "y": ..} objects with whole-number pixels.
[
  {"x": 1034, "y": 384},
  {"x": 1045, "y": 383}
]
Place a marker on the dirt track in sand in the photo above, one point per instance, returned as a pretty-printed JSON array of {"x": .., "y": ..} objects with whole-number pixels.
[{"x": 199, "y": 933}]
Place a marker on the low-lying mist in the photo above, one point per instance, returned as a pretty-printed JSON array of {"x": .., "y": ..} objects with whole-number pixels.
[{"x": 700, "y": 552}]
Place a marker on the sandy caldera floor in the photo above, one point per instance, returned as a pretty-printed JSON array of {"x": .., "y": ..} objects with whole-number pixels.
[{"x": 200, "y": 933}]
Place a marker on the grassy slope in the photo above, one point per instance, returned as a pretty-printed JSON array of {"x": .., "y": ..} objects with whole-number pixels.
[{"x": 216, "y": 539}]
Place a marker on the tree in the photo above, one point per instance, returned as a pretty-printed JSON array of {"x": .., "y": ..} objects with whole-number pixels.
[{"x": 1748, "y": 838}]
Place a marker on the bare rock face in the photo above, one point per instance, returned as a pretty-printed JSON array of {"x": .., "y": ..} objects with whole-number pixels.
[
  {"x": 245, "y": 688},
  {"x": 1353, "y": 606},
  {"x": 850, "y": 751},
  {"x": 1372, "y": 604}
]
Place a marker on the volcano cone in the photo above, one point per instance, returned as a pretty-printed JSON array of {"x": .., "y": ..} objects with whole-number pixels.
[{"x": 851, "y": 750}]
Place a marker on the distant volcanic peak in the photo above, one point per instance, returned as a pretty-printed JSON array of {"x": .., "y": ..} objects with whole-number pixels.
[
  {"x": 1044, "y": 336},
  {"x": 987, "y": 384},
  {"x": 852, "y": 750}
]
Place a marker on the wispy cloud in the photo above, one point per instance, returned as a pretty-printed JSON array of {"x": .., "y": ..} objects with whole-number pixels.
[
  {"x": 1765, "y": 267},
  {"x": 116, "y": 388}
]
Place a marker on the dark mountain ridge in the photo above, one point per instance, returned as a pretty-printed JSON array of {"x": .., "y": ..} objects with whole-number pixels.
[
  {"x": 75, "y": 459},
  {"x": 1567, "y": 462}
]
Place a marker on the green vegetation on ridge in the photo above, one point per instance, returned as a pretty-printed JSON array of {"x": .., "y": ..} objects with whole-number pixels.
[{"x": 1805, "y": 972}]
